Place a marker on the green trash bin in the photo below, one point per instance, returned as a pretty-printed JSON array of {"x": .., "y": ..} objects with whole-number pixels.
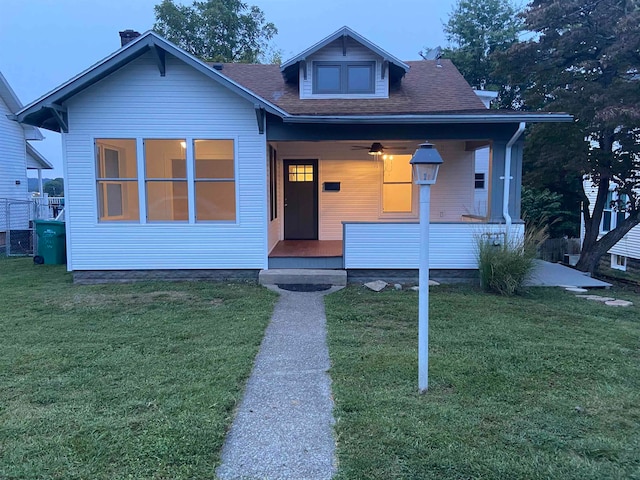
[{"x": 52, "y": 246}]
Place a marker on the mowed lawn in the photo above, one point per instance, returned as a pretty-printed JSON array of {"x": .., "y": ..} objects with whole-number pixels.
[
  {"x": 120, "y": 381},
  {"x": 545, "y": 386}
]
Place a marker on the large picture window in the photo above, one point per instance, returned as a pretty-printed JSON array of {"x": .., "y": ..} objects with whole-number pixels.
[
  {"x": 397, "y": 184},
  {"x": 215, "y": 180},
  {"x": 117, "y": 180},
  {"x": 166, "y": 180},
  {"x": 344, "y": 77}
]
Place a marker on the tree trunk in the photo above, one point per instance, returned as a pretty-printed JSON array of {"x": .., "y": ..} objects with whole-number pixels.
[{"x": 593, "y": 249}]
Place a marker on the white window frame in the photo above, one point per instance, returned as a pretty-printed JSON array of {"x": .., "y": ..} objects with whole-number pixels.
[
  {"x": 618, "y": 262},
  {"x": 344, "y": 77},
  {"x": 103, "y": 182},
  {"x": 414, "y": 197}
]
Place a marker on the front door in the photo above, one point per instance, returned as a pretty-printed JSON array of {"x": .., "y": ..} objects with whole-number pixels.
[{"x": 300, "y": 199}]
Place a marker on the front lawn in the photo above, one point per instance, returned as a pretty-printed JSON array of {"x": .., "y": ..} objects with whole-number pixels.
[
  {"x": 542, "y": 386},
  {"x": 120, "y": 381}
]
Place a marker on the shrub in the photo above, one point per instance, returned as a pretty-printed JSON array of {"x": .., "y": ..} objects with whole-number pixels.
[{"x": 505, "y": 262}]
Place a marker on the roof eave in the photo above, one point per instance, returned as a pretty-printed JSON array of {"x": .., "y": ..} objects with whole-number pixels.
[
  {"x": 33, "y": 113},
  {"x": 334, "y": 36},
  {"x": 37, "y": 156},
  {"x": 436, "y": 118}
]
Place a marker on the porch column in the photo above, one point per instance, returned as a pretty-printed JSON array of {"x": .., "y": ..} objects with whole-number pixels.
[
  {"x": 496, "y": 182},
  {"x": 40, "y": 189}
]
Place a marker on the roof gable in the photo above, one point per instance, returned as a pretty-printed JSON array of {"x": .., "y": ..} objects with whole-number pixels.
[
  {"x": 14, "y": 104},
  {"x": 289, "y": 68},
  {"x": 48, "y": 111}
]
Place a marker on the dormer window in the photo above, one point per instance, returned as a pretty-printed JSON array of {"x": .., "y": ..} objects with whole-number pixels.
[{"x": 344, "y": 77}]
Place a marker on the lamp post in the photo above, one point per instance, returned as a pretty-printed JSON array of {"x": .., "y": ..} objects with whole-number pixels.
[{"x": 426, "y": 161}]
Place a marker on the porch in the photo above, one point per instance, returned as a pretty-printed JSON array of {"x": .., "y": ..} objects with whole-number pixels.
[
  {"x": 307, "y": 254},
  {"x": 392, "y": 246}
]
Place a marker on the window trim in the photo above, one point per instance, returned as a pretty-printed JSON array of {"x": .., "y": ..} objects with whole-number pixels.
[
  {"x": 171, "y": 180},
  {"x": 100, "y": 182},
  {"x": 197, "y": 180},
  {"x": 414, "y": 197},
  {"x": 615, "y": 262},
  {"x": 344, "y": 77}
]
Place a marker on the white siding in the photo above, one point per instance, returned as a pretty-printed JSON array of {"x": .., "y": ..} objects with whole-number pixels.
[
  {"x": 356, "y": 53},
  {"x": 360, "y": 177},
  {"x": 397, "y": 245},
  {"x": 629, "y": 246},
  {"x": 137, "y": 102},
  {"x": 13, "y": 167}
]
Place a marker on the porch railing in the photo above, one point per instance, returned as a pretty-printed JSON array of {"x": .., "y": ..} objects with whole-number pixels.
[{"x": 397, "y": 245}]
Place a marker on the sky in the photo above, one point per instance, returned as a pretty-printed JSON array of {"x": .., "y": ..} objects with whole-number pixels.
[{"x": 43, "y": 43}]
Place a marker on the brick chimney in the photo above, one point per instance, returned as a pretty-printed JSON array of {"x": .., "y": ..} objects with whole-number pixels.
[{"x": 128, "y": 36}]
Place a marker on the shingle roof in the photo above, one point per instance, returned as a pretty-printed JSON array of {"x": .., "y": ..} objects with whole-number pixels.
[{"x": 429, "y": 87}]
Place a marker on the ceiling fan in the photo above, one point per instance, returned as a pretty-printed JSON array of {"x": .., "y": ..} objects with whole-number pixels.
[{"x": 375, "y": 148}]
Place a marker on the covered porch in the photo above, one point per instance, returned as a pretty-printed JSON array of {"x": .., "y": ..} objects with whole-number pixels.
[{"x": 334, "y": 205}]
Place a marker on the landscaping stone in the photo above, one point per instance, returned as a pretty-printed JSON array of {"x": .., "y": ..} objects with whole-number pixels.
[
  {"x": 432, "y": 283},
  {"x": 397, "y": 286},
  {"x": 618, "y": 303},
  {"x": 576, "y": 289},
  {"x": 376, "y": 286},
  {"x": 596, "y": 298}
]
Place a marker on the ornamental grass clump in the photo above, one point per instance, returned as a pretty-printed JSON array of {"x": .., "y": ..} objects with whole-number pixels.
[{"x": 506, "y": 260}]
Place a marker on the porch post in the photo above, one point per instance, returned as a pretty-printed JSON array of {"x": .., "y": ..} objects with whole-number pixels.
[
  {"x": 496, "y": 182},
  {"x": 40, "y": 189}
]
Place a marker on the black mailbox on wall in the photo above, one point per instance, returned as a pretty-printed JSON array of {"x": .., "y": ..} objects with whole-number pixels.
[{"x": 331, "y": 187}]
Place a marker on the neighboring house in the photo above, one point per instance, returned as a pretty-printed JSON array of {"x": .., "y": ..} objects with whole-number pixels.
[
  {"x": 625, "y": 255},
  {"x": 17, "y": 155},
  {"x": 174, "y": 164}
]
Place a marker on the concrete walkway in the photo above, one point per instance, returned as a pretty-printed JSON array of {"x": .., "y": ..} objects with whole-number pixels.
[
  {"x": 284, "y": 425},
  {"x": 547, "y": 274}
]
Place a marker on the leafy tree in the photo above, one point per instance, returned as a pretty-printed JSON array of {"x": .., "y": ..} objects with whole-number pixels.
[
  {"x": 216, "y": 30},
  {"x": 54, "y": 188},
  {"x": 584, "y": 58},
  {"x": 475, "y": 30},
  {"x": 543, "y": 208}
]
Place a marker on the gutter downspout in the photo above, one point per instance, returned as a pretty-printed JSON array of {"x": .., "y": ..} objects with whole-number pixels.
[{"x": 507, "y": 177}]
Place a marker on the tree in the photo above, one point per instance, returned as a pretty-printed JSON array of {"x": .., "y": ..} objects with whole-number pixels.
[
  {"x": 54, "y": 188},
  {"x": 543, "y": 209},
  {"x": 584, "y": 59},
  {"x": 476, "y": 29},
  {"x": 216, "y": 30}
]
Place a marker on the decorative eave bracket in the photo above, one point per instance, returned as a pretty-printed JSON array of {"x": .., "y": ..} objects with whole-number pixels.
[
  {"x": 159, "y": 57},
  {"x": 59, "y": 113},
  {"x": 261, "y": 115}
]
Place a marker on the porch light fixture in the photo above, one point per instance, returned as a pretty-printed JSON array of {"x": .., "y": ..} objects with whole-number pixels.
[
  {"x": 376, "y": 149},
  {"x": 426, "y": 161}
]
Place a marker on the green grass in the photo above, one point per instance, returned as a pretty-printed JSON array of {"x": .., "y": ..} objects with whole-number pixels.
[
  {"x": 506, "y": 376},
  {"x": 120, "y": 381}
]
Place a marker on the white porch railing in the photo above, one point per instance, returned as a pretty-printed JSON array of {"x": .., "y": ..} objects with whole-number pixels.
[
  {"x": 48, "y": 208},
  {"x": 397, "y": 245}
]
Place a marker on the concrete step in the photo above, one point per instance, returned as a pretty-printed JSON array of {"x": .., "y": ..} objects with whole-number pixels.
[{"x": 306, "y": 276}]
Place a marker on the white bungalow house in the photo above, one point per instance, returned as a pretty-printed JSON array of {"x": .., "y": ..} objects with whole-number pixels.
[
  {"x": 174, "y": 165},
  {"x": 17, "y": 156}
]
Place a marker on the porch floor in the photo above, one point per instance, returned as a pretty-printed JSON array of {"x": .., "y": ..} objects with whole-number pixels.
[{"x": 307, "y": 248}]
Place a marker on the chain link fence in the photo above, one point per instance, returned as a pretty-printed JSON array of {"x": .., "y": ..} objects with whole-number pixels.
[{"x": 17, "y": 233}]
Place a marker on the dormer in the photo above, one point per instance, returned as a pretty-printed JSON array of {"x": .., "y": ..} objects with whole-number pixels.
[{"x": 344, "y": 65}]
